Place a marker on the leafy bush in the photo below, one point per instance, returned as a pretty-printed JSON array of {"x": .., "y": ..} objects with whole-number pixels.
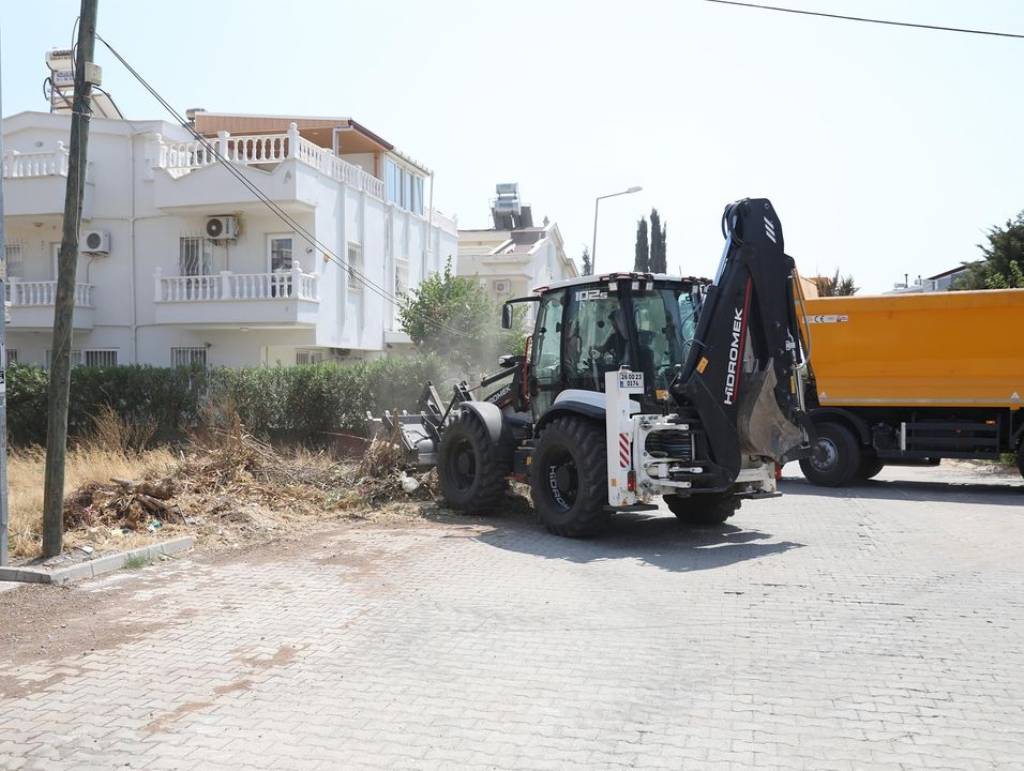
[{"x": 298, "y": 403}]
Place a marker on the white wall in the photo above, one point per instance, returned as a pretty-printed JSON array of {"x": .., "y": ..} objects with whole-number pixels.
[{"x": 125, "y": 188}]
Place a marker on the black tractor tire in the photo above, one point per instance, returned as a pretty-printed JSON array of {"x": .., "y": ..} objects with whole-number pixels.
[
  {"x": 568, "y": 477},
  {"x": 471, "y": 468},
  {"x": 870, "y": 466},
  {"x": 835, "y": 456},
  {"x": 1020, "y": 459},
  {"x": 703, "y": 509}
]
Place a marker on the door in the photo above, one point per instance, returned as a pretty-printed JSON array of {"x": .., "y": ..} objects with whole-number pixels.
[{"x": 546, "y": 364}]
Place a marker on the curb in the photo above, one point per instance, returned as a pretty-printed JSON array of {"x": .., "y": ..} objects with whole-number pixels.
[{"x": 96, "y": 567}]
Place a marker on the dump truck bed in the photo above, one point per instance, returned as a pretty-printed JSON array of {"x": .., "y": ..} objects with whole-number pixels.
[{"x": 941, "y": 349}]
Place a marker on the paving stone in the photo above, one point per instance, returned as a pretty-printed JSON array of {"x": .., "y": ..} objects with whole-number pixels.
[{"x": 877, "y": 626}]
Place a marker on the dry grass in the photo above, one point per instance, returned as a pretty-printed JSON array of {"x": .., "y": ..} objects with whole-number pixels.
[
  {"x": 85, "y": 464},
  {"x": 225, "y": 487}
]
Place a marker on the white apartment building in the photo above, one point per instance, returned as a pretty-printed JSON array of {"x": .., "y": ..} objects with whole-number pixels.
[
  {"x": 181, "y": 264},
  {"x": 514, "y": 256}
]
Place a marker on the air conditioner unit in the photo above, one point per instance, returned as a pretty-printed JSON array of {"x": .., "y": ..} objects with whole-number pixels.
[
  {"x": 223, "y": 227},
  {"x": 95, "y": 242},
  {"x": 501, "y": 287}
]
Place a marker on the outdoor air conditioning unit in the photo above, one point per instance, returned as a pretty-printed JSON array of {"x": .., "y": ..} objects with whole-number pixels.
[
  {"x": 95, "y": 242},
  {"x": 502, "y": 287},
  {"x": 223, "y": 227}
]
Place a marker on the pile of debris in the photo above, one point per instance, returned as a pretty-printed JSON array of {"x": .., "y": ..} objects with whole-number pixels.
[
  {"x": 230, "y": 487},
  {"x": 123, "y": 503}
]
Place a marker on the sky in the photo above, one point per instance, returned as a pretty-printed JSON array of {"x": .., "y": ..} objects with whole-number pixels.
[{"x": 885, "y": 151}]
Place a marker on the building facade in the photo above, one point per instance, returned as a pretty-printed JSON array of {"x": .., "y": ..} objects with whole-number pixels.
[
  {"x": 180, "y": 263},
  {"x": 514, "y": 256}
]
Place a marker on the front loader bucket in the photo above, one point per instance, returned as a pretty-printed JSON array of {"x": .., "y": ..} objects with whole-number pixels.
[
  {"x": 419, "y": 433},
  {"x": 415, "y": 432}
]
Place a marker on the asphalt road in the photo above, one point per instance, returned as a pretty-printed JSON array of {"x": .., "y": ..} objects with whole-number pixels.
[{"x": 879, "y": 626}]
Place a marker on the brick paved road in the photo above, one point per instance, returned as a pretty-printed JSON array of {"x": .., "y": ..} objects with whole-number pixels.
[{"x": 820, "y": 630}]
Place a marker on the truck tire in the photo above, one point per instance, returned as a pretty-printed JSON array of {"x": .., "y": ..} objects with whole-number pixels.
[
  {"x": 707, "y": 510},
  {"x": 471, "y": 468},
  {"x": 835, "y": 457},
  {"x": 869, "y": 467},
  {"x": 568, "y": 477}
]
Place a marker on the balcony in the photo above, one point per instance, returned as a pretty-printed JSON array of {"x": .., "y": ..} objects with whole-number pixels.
[
  {"x": 267, "y": 300},
  {"x": 35, "y": 183},
  {"x": 30, "y": 304},
  {"x": 256, "y": 153}
]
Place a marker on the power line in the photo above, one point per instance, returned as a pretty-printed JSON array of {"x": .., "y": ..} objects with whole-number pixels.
[
  {"x": 887, "y": 22},
  {"x": 279, "y": 212}
]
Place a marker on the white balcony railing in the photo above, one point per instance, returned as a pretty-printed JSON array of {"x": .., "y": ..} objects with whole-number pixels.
[
  {"x": 281, "y": 285},
  {"x": 45, "y": 164},
  {"x": 22, "y": 294},
  {"x": 180, "y": 158}
]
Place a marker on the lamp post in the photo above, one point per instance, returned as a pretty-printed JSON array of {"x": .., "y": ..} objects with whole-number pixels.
[{"x": 597, "y": 202}]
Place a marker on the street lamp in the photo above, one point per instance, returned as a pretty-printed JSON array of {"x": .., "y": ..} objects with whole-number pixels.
[{"x": 597, "y": 202}]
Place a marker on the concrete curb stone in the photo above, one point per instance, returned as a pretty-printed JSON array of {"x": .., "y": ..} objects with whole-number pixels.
[{"x": 105, "y": 564}]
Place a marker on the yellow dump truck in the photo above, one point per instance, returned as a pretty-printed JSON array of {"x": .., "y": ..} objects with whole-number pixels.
[{"x": 913, "y": 378}]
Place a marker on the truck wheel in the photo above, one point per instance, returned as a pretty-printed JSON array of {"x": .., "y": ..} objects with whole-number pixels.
[
  {"x": 470, "y": 467},
  {"x": 869, "y": 467},
  {"x": 835, "y": 456},
  {"x": 703, "y": 510},
  {"x": 568, "y": 479}
]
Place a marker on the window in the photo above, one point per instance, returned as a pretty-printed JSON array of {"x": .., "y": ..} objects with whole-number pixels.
[
  {"x": 280, "y": 248},
  {"x": 188, "y": 357},
  {"x": 76, "y": 358},
  {"x": 597, "y": 338},
  {"x": 14, "y": 255},
  {"x": 417, "y": 195},
  {"x": 355, "y": 268},
  {"x": 101, "y": 357},
  {"x": 12, "y": 356},
  {"x": 309, "y": 357},
  {"x": 403, "y": 187},
  {"x": 194, "y": 256}
]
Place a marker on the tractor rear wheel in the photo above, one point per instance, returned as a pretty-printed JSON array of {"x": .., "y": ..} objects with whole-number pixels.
[
  {"x": 568, "y": 477},
  {"x": 1020, "y": 459},
  {"x": 703, "y": 510},
  {"x": 471, "y": 468}
]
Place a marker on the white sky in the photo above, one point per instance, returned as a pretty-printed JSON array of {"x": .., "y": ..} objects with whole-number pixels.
[{"x": 885, "y": 151}]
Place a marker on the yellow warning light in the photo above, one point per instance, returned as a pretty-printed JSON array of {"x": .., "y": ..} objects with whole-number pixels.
[{"x": 702, "y": 364}]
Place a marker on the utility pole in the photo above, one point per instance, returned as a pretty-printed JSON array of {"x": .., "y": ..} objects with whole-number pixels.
[
  {"x": 3, "y": 371},
  {"x": 86, "y": 75}
]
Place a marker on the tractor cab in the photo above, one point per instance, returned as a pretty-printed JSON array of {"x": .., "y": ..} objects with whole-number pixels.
[{"x": 590, "y": 326}]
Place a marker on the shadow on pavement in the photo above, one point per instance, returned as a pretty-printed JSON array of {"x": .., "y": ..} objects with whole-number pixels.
[
  {"x": 654, "y": 539},
  {"x": 1009, "y": 493}
]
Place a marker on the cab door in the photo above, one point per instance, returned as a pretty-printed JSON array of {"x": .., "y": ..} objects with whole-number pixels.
[{"x": 546, "y": 379}]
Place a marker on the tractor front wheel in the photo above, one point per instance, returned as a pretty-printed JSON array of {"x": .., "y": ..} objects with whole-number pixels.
[
  {"x": 703, "y": 509},
  {"x": 568, "y": 477},
  {"x": 471, "y": 468}
]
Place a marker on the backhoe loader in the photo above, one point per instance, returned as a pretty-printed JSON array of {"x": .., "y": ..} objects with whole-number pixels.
[{"x": 635, "y": 386}]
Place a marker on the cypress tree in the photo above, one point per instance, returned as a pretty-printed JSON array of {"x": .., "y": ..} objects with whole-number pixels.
[
  {"x": 657, "y": 261},
  {"x": 642, "y": 259}
]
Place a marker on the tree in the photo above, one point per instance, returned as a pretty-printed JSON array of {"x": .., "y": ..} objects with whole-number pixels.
[
  {"x": 588, "y": 265},
  {"x": 835, "y": 285},
  {"x": 659, "y": 260},
  {"x": 642, "y": 259},
  {"x": 453, "y": 317},
  {"x": 1003, "y": 264}
]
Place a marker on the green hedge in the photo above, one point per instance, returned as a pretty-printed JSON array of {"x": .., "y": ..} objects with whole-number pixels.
[{"x": 298, "y": 403}]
